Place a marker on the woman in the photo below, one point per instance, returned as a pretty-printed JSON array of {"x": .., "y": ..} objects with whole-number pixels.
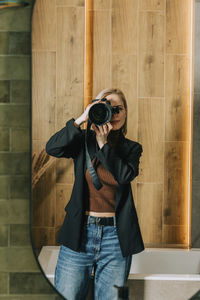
[{"x": 101, "y": 227}]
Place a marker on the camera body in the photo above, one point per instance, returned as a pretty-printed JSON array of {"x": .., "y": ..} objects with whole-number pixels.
[{"x": 101, "y": 113}]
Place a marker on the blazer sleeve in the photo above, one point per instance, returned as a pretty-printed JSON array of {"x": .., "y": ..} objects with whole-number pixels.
[
  {"x": 67, "y": 142},
  {"x": 124, "y": 170}
]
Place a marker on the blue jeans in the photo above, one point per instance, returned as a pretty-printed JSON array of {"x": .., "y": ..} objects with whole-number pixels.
[{"x": 99, "y": 248}]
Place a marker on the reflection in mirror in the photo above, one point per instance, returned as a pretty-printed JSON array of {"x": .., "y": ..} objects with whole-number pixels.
[{"x": 90, "y": 215}]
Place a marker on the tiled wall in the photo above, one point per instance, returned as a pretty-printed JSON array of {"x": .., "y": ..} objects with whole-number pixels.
[
  {"x": 20, "y": 276},
  {"x": 196, "y": 135}
]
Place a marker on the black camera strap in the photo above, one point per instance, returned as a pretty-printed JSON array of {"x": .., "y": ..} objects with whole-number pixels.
[{"x": 95, "y": 179}]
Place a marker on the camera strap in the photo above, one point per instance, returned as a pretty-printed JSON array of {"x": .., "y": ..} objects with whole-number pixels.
[{"x": 95, "y": 179}]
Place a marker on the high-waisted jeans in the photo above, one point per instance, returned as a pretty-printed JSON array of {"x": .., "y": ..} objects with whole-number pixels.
[{"x": 100, "y": 248}]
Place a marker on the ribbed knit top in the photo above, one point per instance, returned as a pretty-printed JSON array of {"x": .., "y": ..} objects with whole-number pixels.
[{"x": 102, "y": 200}]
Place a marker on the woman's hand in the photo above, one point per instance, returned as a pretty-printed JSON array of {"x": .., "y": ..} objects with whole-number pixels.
[
  {"x": 102, "y": 133},
  {"x": 84, "y": 117}
]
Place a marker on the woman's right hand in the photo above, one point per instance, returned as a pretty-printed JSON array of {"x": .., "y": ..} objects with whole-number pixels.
[{"x": 84, "y": 117}]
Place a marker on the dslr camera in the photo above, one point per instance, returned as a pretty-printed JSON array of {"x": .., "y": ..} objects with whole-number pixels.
[{"x": 101, "y": 113}]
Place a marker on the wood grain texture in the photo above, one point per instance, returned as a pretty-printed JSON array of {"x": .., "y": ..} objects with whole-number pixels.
[
  {"x": 175, "y": 234},
  {"x": 151, "y": 54},
  {"x": 178, "y": 20},
  {"x": 177, "y": 104},
  {"x": 124, "y": 27},
  {"x": 70, "y": 63},
  {"x": 176, "y": 183},
  {"x": 102, "y": 4},
  {"x": 44, "y": 34},
  {"x": 70, "y": 3},
  {"x": 124, "y": 77},
  {"x": 43, "y": 200},
  {"x": 152, "y": 4},
  {"x": 151, "y": 136},
  {"x": 149, "y": 208},
  {"x": 43, "y": 95},
  {"x": 177, "y": 75},
  {"x": 177, "y": 118},
  {"x": 43, "y": 236},
  {"x": 102, "y": 51},
  {"x": 64, "y": 171}
]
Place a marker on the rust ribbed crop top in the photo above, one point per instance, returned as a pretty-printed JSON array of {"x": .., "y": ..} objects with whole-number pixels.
[{"x": 102, "y": 200}]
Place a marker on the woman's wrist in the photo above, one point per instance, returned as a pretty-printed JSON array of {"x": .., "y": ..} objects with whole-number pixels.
[
  {"x": 101, "y": 143},
  {"x": 78, "y": 122}
]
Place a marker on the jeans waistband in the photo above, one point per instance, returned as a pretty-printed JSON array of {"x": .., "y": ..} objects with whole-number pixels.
[{"x": 100, "y": 221}]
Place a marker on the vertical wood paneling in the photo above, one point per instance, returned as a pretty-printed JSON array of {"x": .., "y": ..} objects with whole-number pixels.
[
  {"x": 175, "y": 235},
  {"x": 70, "y": 61},
  {"x": 152, "y": 4},
  {"x": 102, "y": 4},
  {"x": 102, "y": 51},
  {"x": 44, "y": 200},
  {"x": 43, "y": 236},
  {"x": 149, "y": 207},
  {"x": 177, "y": 104},
  {"x": 178, "y": 20},
  {"x": 151, "y": 136},
  {"x": 44, "y": 92},
  {"x": 70, "y": 3},
  {"x": 44, "y": 34},
  {"x": 124, "y": 75},
  {"x": 151, "y": 54},
  {"x": 124, "y": 27},
  {"x": 64, "y": 171},
  {"x": 176, "y": 186}
]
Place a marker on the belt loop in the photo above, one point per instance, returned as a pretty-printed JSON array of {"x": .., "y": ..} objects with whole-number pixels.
[{"x": 114, "y": 217}]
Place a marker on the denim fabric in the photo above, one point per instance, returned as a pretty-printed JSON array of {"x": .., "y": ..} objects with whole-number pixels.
[{"x": 99, "y": 249}]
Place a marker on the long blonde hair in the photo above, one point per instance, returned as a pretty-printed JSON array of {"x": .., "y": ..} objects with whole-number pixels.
[{"x": 118, "y": 92}]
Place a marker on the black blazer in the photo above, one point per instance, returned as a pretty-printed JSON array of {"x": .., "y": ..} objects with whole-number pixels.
[{"x": 122, "y": 161}]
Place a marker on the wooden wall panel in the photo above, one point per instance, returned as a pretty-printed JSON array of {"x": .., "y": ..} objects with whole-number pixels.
[
  {"x": 102, "y": 4},
  {"x": 69, "y": 76},
  {"x": 70, "y": 3},
  {"x": 176, "y": 183},
  {"x": 64, "y": 171},
  {"x": 44, "y": 92},
  {"x": 175, "y": 236},
  {"x": 44, "y": 204},
  {"x": 178, "y": 20},
  {"x": 44, "y": 34},
  {"x": 102, "y": 51},
  {"x": 151, "y": 54},
  {"x": 152, "y": 4},
  {"x": 151, "y": 136},
  {"x": 177, "y": 104},
  {"x": 43, "y": 236},
  {"x": 124, "y": 27},
  {"x": 149, "y": 208},
  {"x": 124, "y": 76}
]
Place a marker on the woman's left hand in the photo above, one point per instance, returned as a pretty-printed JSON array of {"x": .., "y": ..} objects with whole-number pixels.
[{"x": 102, "y": 133}]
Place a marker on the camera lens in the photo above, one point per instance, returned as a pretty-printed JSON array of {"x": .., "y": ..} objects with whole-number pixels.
[{"x": 100, "y": 113}]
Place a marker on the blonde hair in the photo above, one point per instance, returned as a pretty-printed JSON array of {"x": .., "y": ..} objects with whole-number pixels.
[{"x": 118, "y": 92}]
